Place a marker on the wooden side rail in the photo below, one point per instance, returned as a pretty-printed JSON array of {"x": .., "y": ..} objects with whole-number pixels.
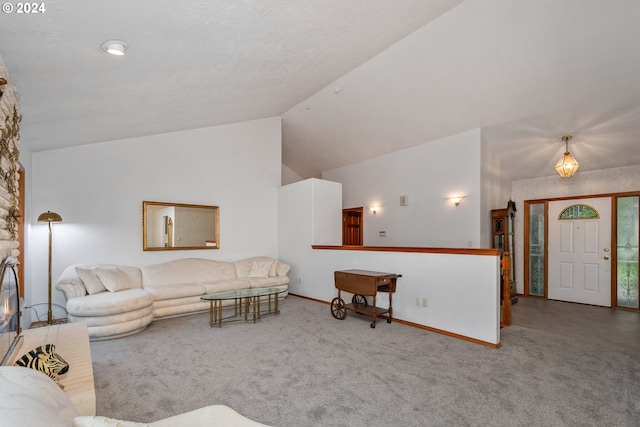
[
  {"x": 505, "y": 267},
  {"x": 456, "y": 251}
]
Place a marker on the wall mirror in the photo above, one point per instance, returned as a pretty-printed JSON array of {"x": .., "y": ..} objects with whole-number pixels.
[{"x": 175, "y": 226}]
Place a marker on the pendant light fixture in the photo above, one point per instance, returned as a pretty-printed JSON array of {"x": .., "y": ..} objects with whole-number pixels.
[{"x": 567, "y": 165}]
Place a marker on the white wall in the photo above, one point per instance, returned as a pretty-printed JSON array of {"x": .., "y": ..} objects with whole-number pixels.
[
  {"x": 428, "y": 174},
  {"x": 326, "y": 215},
  {"x": 98, "y": 190},
  {"x": 604, "y": 181},
  {"x": 495, "y": 189},
  {"x": 462, "y": 290},
  {"x": 289, "y": 176},
  {"x": 309, "y": 213}
]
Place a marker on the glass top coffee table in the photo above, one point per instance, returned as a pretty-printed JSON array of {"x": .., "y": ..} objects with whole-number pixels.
[{"x": 242, "y": 298}]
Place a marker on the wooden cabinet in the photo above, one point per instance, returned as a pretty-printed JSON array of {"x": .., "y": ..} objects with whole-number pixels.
[{"x": 502, "y": 237}]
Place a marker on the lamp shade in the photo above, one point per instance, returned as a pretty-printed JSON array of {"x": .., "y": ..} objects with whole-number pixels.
[
  {"x": 49, "y": 216},
  {"x": 456, "y": 200}
]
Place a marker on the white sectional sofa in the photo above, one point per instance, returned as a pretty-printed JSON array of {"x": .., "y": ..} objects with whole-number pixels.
[
  {"x": 118, "y": 300},
  {"x": 29, "y": 398}
]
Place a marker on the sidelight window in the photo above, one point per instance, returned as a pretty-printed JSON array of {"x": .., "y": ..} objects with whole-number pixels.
[
  {"x": 627, "y": 251},
  {"x": 536, "y": 249}
]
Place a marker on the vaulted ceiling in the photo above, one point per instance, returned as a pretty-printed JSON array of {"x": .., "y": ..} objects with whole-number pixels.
[{"x": 352, "y": 79}]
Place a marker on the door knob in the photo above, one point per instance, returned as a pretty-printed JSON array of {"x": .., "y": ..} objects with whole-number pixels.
[
  {"x": 606, "y": 257},
  {"x": 606, "y": 249}
]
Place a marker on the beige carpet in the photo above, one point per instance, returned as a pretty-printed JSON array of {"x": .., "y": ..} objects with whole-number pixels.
[{"x": 305, "y": 368}]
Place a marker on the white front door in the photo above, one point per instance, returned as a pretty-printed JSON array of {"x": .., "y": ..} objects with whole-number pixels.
[{"x": 580, "y": 253}]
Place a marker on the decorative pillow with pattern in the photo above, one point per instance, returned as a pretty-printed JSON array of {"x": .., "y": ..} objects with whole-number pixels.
[{"x": 260, "y": 268}]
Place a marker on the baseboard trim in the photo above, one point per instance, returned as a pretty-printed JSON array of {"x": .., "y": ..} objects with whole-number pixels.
[{"x": 419, "y": 326}]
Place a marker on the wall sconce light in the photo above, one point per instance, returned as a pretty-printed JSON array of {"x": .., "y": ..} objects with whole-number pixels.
[
  {"x": 567, "y": 165},
  {"x": 114, "y": 47},
  {"x": 374, "y": 209},
  {"x": 456, "y": 200}
]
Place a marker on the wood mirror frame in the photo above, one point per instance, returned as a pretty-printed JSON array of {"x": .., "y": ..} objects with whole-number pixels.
[{"x": 178, "y": 226}]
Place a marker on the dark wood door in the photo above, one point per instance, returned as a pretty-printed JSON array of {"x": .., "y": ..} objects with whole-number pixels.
[{"x": 352, "y": 227}]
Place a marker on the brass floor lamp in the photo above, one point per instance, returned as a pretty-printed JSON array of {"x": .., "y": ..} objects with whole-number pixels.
[{"x": 49, "y": 217}]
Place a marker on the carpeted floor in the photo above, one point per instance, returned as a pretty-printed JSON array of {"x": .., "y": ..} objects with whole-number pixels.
[{"x": 560, "y": 364}]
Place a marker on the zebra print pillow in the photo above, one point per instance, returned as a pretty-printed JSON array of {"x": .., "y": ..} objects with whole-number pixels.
[{"x": 46, "y": 360}]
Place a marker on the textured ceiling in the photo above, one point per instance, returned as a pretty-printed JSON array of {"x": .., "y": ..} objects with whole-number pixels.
[
  {"x": 407, "y": 72},
  {"x": 525, "y": 72},
  {"x": 189, "y": 64}
]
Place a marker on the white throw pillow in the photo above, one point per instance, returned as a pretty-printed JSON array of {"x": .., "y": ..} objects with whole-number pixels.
[
  {"x": 86, "y": 421},
  {"x": 114, "y": 279},
  {"x": 260, "y": 268},
  {"x": 30, "y": 398},
  {"x": 273, "y": 270},
  {"x": 91, "y": 281},
  {"x": 282, "y": 269}
]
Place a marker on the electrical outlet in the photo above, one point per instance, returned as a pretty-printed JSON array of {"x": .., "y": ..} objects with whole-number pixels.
[
  {"x": 424, "y": 302},
  {"x": 299, "y": 280},
  {"x": 417, "y": 301}
]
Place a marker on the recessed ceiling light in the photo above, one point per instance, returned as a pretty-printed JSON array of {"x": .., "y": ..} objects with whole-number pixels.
[{"x": 114, "y": 47}]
